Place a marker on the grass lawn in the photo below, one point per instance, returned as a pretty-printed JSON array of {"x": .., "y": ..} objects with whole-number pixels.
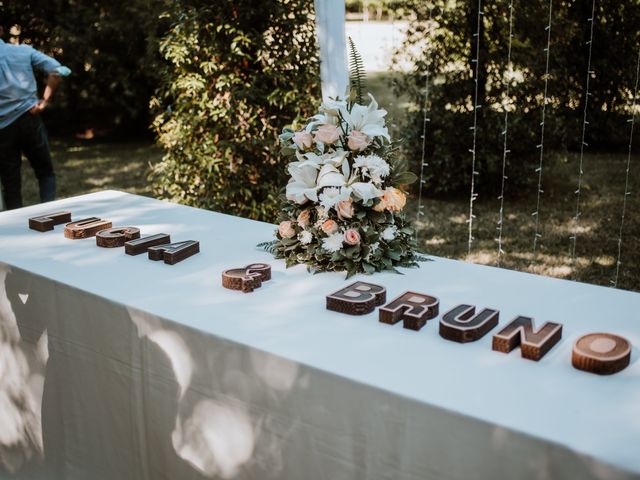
[
  {"x": 84, "y": 167},
  {"x": 444, "y": 231},
  {"x": 87, "y": 166}
]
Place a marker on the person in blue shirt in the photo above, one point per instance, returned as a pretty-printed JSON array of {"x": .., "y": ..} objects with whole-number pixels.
[{"x": 21, "y": 128}]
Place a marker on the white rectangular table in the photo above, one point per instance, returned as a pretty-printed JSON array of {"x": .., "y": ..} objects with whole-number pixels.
[{"x": 118, "y": 367}]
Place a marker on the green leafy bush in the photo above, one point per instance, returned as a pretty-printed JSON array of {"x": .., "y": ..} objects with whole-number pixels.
[
  {"x": 441, "y": 35},
  {"x": 236, "y": 72}
]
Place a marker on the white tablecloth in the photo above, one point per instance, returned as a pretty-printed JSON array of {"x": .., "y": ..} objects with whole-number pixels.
[{"x": 118, "y": 367}]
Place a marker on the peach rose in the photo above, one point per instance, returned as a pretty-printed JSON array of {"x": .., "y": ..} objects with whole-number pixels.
[
  {"x": 303, "y": 218},
  {"x": 285, "y": 229},
  {"x": 329, "y": 227},
  {"x": 327, "y": 134},
  {"x": 397, "y": 199},
  {"x": 358, "y": 141},
  {"x": 351, "y": 237},
  {"x": 344, "y": 209},
  {"x": 303, "y": 140},
  {"x": 392, "y": 200}
]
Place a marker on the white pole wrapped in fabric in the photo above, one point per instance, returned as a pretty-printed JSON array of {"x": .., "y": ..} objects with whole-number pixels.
[{"x": 330, "y": 17}]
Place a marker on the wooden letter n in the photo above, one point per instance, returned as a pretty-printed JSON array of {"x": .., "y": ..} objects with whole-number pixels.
[{"x": 533, "y": 345}]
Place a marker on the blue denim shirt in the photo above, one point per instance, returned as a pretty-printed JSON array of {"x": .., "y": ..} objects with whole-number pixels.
[{"x": 18, "y": 88}]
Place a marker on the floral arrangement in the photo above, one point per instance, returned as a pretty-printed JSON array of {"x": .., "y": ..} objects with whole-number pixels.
[{"x": 343, "y": 206}]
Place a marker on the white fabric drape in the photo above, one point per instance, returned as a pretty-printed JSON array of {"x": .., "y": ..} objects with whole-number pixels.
[
  {"x": 330, "y": 17},
  {"x": 118, "y": 367}
]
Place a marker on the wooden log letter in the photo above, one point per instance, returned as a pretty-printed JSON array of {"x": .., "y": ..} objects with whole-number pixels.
[
  {"x": 116, "y": 237},
  {"x": 601, "y": 353},
  {"x": 173, "y": 253},
  {"x": 140, "y": 245},
  {"x": 246, "y": 279},
  {"x": 45, "y": 223},
  {"x": 414, "y": 309},
  {"x": 533, "y": 345},
  {"x": 85, "y": 228},
  {"x": 359, "y": 298},
  {"x": 461, "y": 324}
]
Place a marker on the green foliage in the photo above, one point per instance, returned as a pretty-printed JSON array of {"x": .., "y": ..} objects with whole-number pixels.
[
  {"x": 446, "y": 44},
  {"x": 373, "y": 254},
  {"x": 234, "y": 73},
  {"x": 356, "y": 72}
]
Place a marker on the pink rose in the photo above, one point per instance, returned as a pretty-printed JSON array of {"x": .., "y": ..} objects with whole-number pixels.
[
  {"x": 327, "y": 134},
  {"x": 303, "y": 140},
  {"x": 329, "y": 227},
  {"x": 358, "y": 141},
  {"x": 303, "y": 218},
  {"x": 351, "y": 237},
  {"x": 285, "y": 229},
  {"x": 344, "y": 209}
]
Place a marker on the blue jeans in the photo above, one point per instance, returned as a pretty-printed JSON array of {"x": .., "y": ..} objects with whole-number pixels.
[{"x": 26, "y": 135}]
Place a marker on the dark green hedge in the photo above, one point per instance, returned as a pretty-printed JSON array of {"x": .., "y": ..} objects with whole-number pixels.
[
  {"x": 112, "y": 50},
  {"x": 235, "y": 73},
  {"x": 449, "y": 50}
]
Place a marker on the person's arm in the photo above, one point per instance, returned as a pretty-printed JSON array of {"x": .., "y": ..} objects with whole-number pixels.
[
  {"x": 54, "y": 71},
  {"x": 53, "y": 80}
]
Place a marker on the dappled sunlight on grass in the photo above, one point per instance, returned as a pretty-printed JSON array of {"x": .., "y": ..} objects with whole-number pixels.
[
  {"x": 84, "y": 167},
  {"x": 443, "y": 229}
]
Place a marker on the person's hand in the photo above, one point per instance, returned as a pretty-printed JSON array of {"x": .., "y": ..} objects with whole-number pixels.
[{"x": 39, "y": 107}]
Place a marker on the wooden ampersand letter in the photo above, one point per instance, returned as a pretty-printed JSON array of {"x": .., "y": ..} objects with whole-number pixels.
[
  {"x": 601, "y": 353},
  {"x": 45, "y": 223},
  {"x": 461, "y": 324},
  {"x": 533, "y": 345},
  {"x": 173, "y": 253},
  {"x": 116, "y": 237},
  {"x": 85, "y": 228},
  {"x": 246, "y": 279},
  {"x": 414, "y": 309},
  {"x": 359, "y": 298},
  {"x": 140, "y": 245}
]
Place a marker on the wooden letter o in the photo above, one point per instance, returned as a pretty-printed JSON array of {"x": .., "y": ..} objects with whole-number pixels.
[{"x": 601, "y": 353}]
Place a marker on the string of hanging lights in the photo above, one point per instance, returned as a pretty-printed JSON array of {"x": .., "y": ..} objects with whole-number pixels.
[{"x": 505, "y": 134}]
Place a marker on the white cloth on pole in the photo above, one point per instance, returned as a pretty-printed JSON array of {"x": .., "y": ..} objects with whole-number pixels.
[{"x": 330, "y": 18}]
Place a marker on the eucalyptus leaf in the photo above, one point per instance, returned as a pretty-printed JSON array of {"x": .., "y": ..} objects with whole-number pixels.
[{"x": 405, "y": 178}]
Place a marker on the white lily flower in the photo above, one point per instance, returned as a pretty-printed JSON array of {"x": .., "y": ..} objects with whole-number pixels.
[
  {"x": 367, "y": 119},
  {"x": 365, "y": 191},
  {"x": 330, "y": 176},
  {"x": 302, "y": 185},
  {"x": 333, "y": 106},
  {"x": 329, "y": 114},
  {"x": 335, "y": 158}
]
